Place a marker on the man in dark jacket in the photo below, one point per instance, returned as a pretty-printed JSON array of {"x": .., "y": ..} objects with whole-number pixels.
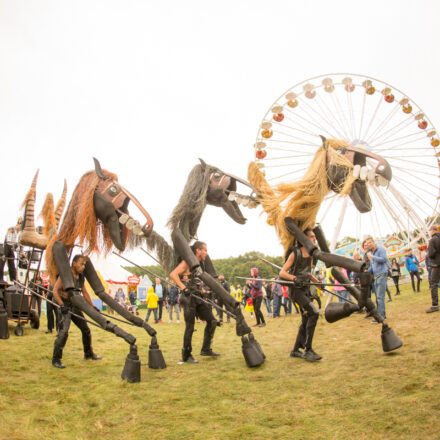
[{"x": 434, "y": 257}]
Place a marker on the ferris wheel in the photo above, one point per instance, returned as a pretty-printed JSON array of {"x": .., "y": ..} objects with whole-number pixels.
[{"x": 369, "y": 114}]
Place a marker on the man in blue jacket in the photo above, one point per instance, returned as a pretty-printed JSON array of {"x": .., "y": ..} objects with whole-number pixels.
[
  {"x": 412, "y": 266},
  {"x": 379, "y": 268}
]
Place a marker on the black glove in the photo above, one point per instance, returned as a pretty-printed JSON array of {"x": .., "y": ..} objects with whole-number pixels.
[
  {"x": 64, "y": 309},
  {"x": 186, "y": 291}
]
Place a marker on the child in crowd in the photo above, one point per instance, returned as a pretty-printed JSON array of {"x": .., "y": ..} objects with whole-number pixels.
[{"x": 152, "y": 300}]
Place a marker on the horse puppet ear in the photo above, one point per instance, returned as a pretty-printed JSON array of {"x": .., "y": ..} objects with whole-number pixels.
[
  {"x": 98, "y": 169},
  {"x": 324, "y": 141},
  {"x": 203, "y": 163}
]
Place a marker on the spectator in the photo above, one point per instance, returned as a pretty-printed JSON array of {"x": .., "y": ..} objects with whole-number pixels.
[
  {"x": 267, "y": 297},
  {"x": 287, "y": 302},
  {"x": 277, "y": 293},
  {"x": 256, "y": 287},
  {"x": 412, "y": 266},
  {"x": 120, "y": 296},
  {"x": 239, "y": 293},
  {"x": 161, "y": 293},
  {"x": 173, "y": 303},
  {"x": 8, "y": 256},
  {"x": 434, "y": 257},
  {"x": 51, "y": 311},
  {"x": 379, "y": 268},
  {"x": 152, "y": 301},
  {"x": 219, "y": 301},
  {"x": 132, "y": 297},
  {"x": 341, "y": 290},
  {"x": 395, "y": 274}
]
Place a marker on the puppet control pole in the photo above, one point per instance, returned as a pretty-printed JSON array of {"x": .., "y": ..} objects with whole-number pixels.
[
  {"x": 310, "y": 284},
  {"x": 102, "y": 313},
  {"x": 206, "y": 301}
]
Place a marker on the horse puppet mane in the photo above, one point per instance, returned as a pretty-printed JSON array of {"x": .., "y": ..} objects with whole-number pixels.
[
  {"x": 80, "y": 225},
  {"x": 302, "y": 199}
]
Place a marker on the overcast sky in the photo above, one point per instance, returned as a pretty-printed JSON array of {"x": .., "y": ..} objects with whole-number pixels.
[{"x": 149, "y": 87}]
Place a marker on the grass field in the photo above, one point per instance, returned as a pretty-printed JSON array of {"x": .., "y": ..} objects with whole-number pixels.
[{"x": 355, "y": 392}]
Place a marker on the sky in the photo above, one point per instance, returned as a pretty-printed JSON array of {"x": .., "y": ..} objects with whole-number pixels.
[{"x": 150, "y": 87}]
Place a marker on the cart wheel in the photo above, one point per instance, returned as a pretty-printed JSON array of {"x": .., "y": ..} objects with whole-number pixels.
[
  {"x": 35, "y": 320},
  {"x": 18, "y": 330}
]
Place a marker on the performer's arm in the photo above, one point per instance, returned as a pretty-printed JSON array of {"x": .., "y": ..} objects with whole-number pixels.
[
  {"x": 284, "y": 272},
  {"x": 180, "y": 269},
  {"x": 86, "y": 296},
  {"x": 57, "y": 289}
]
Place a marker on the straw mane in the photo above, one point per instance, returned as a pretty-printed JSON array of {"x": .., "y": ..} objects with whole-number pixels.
[
  {"x": 48, "y": 215},
  {"x": 80, "y": 225},
  {"x": 301, "y": 200}
]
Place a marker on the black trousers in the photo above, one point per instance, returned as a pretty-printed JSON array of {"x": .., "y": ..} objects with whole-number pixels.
[
  {"x": 10, "y": 258},
  {"x": 309, "y": 318},
  {"x": 435, "y": 278},
  {"x": 257, "y": 309},
  {"x": 160, "y": 306},
  {"x": 63, "y": 334},
  {"x": 193, "y": 307},
  {"x": 219, "y": 302},
  {"x": 412, "y": 274},
  {"x": 396, "y": 282},
  {"x": 51, "y": 311}
]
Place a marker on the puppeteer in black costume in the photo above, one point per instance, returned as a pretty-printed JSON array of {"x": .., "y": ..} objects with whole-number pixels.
[
  {"x": 70, "y": 313},
  {"x": 298, "y": 267},
  {"x": 206, "y": 185},
  {"x": 97, "y": 219},
  {"x": 292, "y": 208},
  {"x": 191, "y": 299}
]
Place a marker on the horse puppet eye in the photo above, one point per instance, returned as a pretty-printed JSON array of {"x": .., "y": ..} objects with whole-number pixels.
[{"x": 113, "y": 190}]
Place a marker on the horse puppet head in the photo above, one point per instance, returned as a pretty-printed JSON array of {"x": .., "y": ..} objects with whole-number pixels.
[
  {"x": 336, "y": 166},
  {"x": 208, "y": 185},
  {"x": 97, "y": 217}
]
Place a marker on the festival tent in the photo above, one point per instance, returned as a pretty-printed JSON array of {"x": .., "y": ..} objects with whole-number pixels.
[{"x": 112, "y": 275}]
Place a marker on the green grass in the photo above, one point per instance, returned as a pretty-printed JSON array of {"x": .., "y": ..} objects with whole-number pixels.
[{"x": 355, "y": 392}]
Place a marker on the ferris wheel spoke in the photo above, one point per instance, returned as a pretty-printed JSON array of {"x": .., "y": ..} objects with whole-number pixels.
[
  {"x": 279, "y": 177},
  {"x": 362, "y": 115},
  {"x": 287, "y": 157},
  {"x": 290, "y": 135},
  {"x": 399, "y": 159},
  {"x": 338, "y": 133},
  {"x": 339, "y": 223},
  {"x": 315, "y": 123},
  {"x": 341, "y": 114},
  {"x": 373, "y": 116},
  {"x": 352, "y": 120},
  {"x": 329, "y": 205},
  {"x": 413, "y": 173},
  {"x": 408, "y": 188},
  {"x": 393, "y": 211},
  {"x": 301, "y": 165},
  {"x": 386, "y": 211},
  {"x": 402, "y": 144},
  {"x": 383, "y": 124},
  {"x": 280, "y": 141},
  {"x": 395, "y": 129},
  {"x": 417, "y": 221},
  {"x": 407, "y": 136}
]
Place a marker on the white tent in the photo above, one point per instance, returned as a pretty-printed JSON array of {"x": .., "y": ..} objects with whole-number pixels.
[{"x": 111, "y": 272}]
